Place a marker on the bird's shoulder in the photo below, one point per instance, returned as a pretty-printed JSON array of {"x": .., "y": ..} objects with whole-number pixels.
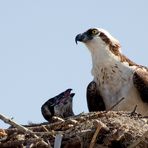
[{"x": 140, "y": 80}]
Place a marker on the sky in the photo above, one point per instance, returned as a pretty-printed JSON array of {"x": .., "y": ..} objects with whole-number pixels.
[{"x": 38, "y": 55}]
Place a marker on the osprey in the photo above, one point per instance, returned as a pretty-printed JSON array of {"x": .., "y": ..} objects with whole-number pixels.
[
  {"x": 60, "y": 105},
  {"x": 119, "y": 83}
]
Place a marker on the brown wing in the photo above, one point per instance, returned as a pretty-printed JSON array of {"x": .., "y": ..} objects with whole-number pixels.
[
  {"x": 140, "y": 80},
  {"x": 94, "y": 99}
]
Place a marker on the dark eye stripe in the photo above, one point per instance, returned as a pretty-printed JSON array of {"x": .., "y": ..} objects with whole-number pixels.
[{"x": 90, "y": 31}]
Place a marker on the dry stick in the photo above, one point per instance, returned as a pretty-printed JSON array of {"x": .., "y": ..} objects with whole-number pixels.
[
  {"x": 22, "y": 128},
  {"x": 45, "y": 128},
  {"x": 116, "y": 104},
  {"x": 134, "y": 111},
  {"x": 99, "y": 127}
]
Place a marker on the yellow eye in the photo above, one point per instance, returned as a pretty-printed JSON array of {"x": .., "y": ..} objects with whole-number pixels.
[{"x": 94, "y": 32}]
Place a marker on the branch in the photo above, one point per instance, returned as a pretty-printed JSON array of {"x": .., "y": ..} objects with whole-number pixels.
[
  {"x": 99, "y": 126},
  {"x": 22, "y": 129},
  {"x": 116, "y": 104}
]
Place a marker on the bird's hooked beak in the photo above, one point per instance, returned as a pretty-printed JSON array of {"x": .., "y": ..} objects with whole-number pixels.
[
  {"x": 64, "y": 96},
  {"x": 83, "y": 37},
  {"x": 68, "y": 93}
]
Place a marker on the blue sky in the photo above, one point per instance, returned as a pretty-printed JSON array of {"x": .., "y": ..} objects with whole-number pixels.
[{"x": 38, "y": 55}]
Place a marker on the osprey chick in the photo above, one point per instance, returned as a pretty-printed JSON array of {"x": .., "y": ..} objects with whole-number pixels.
[
  {"x": 60, "y": 105},
  {"x": 115, "y": 76}
]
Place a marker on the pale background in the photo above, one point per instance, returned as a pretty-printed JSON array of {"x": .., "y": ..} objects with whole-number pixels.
[{"x": 38, "y": 55}]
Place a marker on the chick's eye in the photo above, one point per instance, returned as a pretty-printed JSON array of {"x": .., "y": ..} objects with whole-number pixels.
[{"x": 94, "y": 32}]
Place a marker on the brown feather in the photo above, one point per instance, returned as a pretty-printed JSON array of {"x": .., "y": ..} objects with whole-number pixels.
[
  {"x": 115, "y": 49},
  {"x": 140, "y": 80},
  {"x": 94, "y": 100}
]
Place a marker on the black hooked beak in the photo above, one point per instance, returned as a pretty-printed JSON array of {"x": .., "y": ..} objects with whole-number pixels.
[
  {"x": 72, "y": 95},
  {"x": 84, "y": 37},
  {"x": 79, "y": 37}
]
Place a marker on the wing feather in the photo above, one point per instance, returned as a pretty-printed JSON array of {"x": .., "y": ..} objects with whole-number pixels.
[
  {"x": 140, "y": 80},
  {"x": 94, "y": 100}
]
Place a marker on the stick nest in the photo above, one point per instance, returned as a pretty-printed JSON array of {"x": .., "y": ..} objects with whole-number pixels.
[{"x": 89, "y": 130}]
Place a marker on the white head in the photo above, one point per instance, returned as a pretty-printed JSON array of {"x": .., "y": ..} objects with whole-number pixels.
[
  {"x": 101, "y": 43},
  {"x": 97, "y": 38}
]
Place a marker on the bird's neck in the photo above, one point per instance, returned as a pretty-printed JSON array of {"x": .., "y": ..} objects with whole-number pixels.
[{"x": 103, "y": 58}]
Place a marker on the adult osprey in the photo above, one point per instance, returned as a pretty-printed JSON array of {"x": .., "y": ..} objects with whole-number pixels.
[{"x": 119, "y": 83}]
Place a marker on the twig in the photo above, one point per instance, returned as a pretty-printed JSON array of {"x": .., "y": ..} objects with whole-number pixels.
[
  {"x": 35, "y": 124},
  {"x": 22, "y": 128},
  {"x": 44, "y": 127},
  {"x": 57, "y": 119},
  {"x": 115, "y": 104},
  {"x": 99, "y": 125},
  {"x": 134, "y": 111}
]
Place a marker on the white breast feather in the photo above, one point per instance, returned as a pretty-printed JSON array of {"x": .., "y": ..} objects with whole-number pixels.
[{"x": 114, "y": 79}]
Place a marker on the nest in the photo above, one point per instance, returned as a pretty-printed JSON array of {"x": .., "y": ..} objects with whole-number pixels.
[{"x": 89, "y": 130}]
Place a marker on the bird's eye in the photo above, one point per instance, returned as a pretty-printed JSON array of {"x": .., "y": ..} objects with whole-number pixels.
[{"x": 94, "y": 31}]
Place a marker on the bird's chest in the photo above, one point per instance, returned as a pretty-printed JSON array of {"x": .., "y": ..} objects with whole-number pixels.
[{"x": 113, "y": 82}]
